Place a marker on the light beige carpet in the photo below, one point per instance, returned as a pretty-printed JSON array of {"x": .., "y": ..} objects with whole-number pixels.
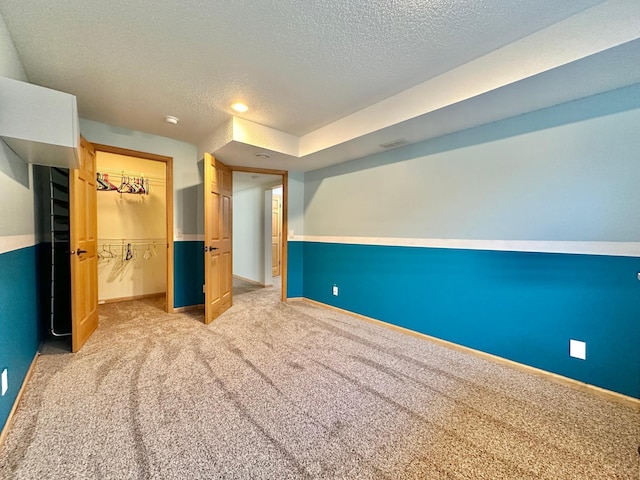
[{"x": 278, "y": 391}]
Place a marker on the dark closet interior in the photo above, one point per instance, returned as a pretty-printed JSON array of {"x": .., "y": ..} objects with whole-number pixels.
[{"x": 52, "y": 215}]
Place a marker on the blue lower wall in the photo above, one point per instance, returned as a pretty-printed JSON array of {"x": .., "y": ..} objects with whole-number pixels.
[
  {"x": 521, "y": 306},
  {"x": 19, "y": 336},
  {"x": 295, "y": 267},
  {"x": 188, "y": 260}
]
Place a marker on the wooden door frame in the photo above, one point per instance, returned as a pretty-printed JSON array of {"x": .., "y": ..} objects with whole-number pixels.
[
  {"x": 285, "y": 217},
  {"x": 278, "y": 211},
  {"x": 168, "y": 161}
]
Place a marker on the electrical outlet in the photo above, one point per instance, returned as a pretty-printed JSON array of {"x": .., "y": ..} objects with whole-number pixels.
[
  {"x": 335, "y": 291},
  {"x": 578, "y": 349},
  {"x": 5, "y": 382},
  {"x": 203, "y": 289}
]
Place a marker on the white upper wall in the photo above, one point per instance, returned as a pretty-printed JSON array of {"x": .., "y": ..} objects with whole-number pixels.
[
  {"x": 16, "y": 191},
  {"x": 248, "y": 234},
  {"x": 16, "y": 198},
  {"x": 188, "y": 199},
  {"x": 296, "y": 203},
  {"x": 10, "y": 63},
  {"x": 508, "y": 181}
]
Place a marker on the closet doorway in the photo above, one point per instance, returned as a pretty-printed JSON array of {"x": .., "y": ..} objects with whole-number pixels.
[{"x": 135, "y": 225}]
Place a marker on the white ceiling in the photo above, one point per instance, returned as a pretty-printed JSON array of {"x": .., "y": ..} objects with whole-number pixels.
[
  {"x": 306, "y": 69},
  {"x": 245, "y": 181}
]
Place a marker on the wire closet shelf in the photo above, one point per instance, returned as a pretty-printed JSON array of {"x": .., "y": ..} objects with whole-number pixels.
[
  {"x": 119, "y": 242},
  {"x": 118, "y": 174},
  {"x": 125, "y": 249}
]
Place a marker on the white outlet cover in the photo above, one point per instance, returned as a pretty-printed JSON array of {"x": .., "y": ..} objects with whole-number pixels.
[
  {"x": 578, "y": 349},
  {"x": 335, "y": 290},
  {"x": 5, "y": 381}
]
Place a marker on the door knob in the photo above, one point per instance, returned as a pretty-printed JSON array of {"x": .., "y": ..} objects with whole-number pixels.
[
  {"x": 211, "y": 249},
  {"x": 80, "y": 251}
]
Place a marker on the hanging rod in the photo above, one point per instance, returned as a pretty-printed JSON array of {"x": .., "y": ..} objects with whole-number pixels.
[
  {"x": 136, "y": 241},
  {"x": 118, "y": 174}
]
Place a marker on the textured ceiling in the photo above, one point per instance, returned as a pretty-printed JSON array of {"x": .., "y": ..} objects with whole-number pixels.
[{"x": 298, "y": 65}]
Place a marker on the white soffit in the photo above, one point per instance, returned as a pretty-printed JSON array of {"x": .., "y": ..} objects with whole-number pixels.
[{"x": 589, "y": 53}]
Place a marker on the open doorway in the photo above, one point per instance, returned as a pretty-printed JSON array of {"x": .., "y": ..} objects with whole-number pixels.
[
  {"x": 257, "y": 231},
  {"x": 135, "y": 222}
]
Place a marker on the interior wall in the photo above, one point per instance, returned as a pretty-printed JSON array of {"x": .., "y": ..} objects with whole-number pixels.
[
  {"x": 488, "y": 238},
  {"x": 16, "y": 214},
  {"x": 19, "y": 338},
  {"x": 295, "y": 262},
  {"x": 125, "y": 218},
  {"x": 296, "y": 203},
  {"x": 248, "y": 234},
  {"x": 10, "y": 63},
  {"x": 572, "y": 182}
]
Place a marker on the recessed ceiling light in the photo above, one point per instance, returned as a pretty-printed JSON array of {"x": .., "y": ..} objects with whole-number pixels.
[
  {"x": 171, "y": 119},
  {"x": 240, "y": 107},
  {"x": 263, "y": 155}
]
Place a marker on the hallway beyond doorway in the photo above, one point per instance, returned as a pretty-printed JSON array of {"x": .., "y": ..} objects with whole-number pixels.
[{"x": 242, "y": 286}]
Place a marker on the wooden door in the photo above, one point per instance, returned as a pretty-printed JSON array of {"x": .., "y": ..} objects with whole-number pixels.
[
  {"x": 217, "y": 237},
  {"x": 276, "y": 234},
  {"x": 83, "y": 242}
]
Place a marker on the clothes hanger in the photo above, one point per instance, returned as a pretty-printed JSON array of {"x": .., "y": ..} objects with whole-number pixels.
[
  {"x": 135, "y": 188},
  {"x": 105, "y": 179},
  {"x": 129, "y": 254},
  {"x": 106, "y": 254},
  {"x": 123, "y": 185},
  {"x": 110, "y": 254},
  {"x": 100, "y": 183},
  {"x": 147, "y": 253}
]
